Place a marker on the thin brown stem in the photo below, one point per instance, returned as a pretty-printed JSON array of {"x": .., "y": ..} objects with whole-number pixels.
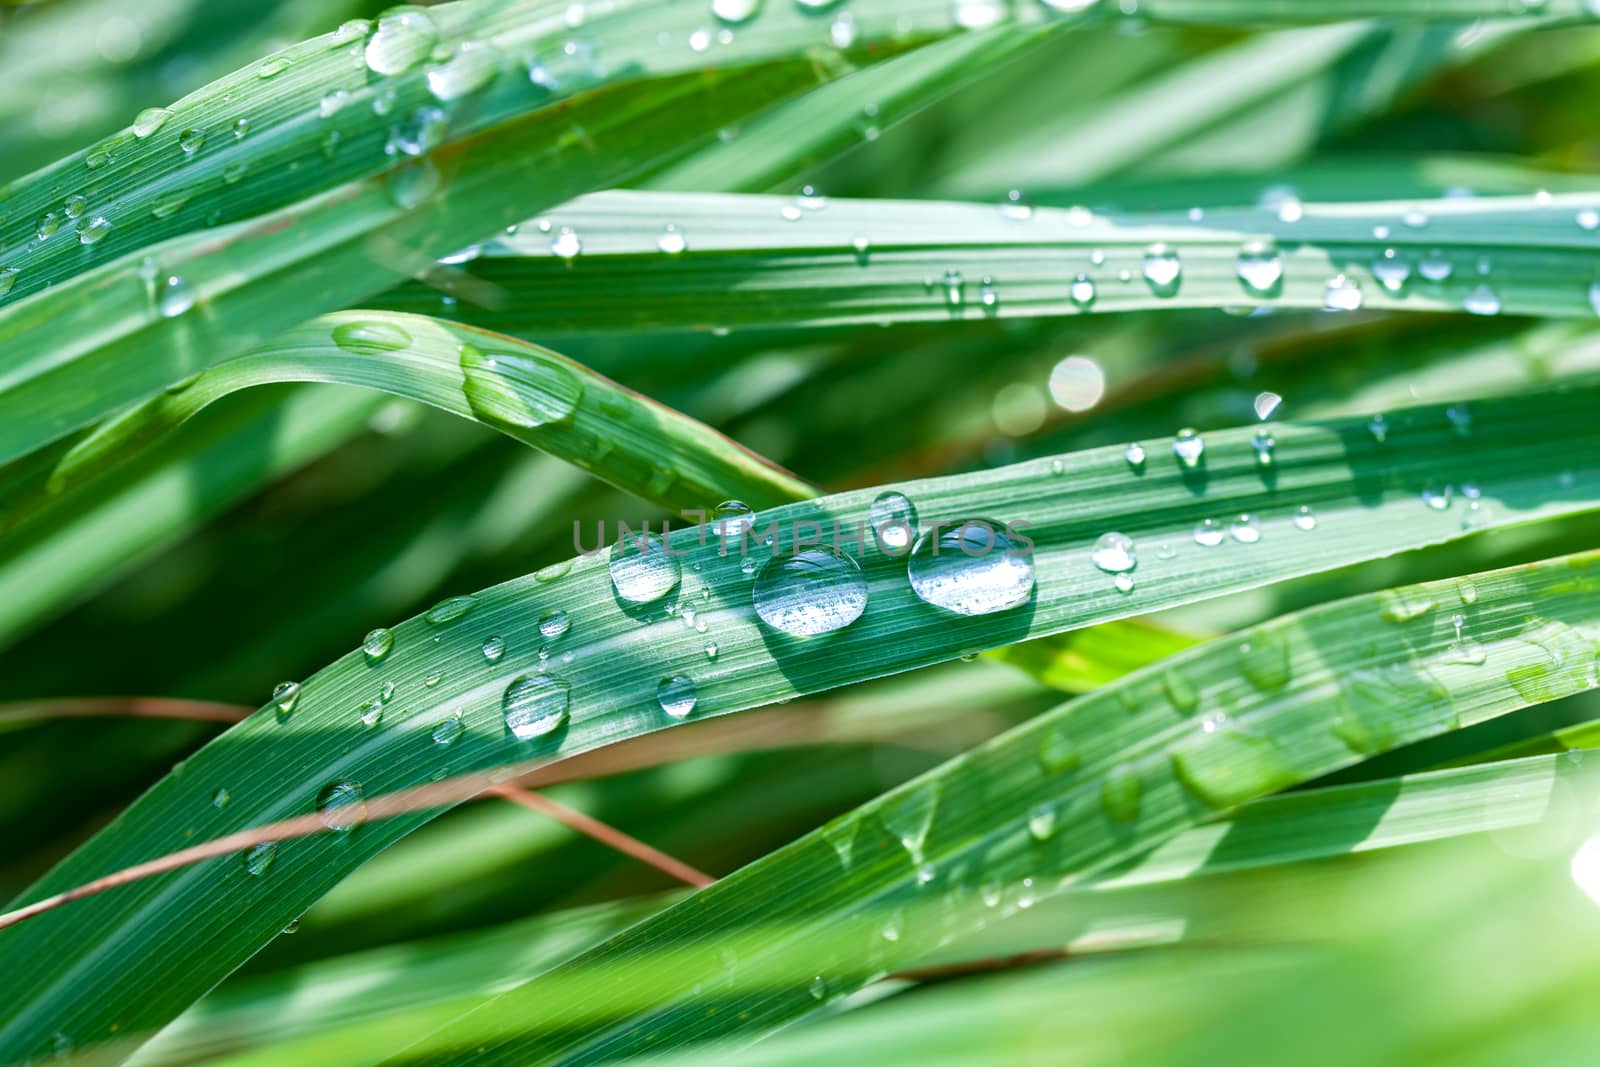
[
  {"x": 106, "y": 707},
  {"x": 607, "y": 835}
]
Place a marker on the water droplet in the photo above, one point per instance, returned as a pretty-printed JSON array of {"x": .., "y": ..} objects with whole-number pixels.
[
  {"x": 93, "y": 229},
  {"x": 1437, "y": 497},
  {"x": 1263, "y": 442},
  {"x": 258, "y": 860},
  {"x": 1263, "y": 658},
  {"x": 149, "y": 121},
  {"x": 494, "y": 648},
  {"x": 1120, "y": 794},
  {"x": 176, "y": 297},
  {"x": 273, "y": 67},
  {"x": 8, "y": 278},
  {"x": 1376, "y": 704},
  {"x": 1181, "y": 691},
  {"x": 1265, "y": 404},
  {"x": 1342, "y": 293},
  {"x": 449, "y": 731},
  {"x": 450, "y": 609},
  {"x": 404, "y": 37},
  {"x": 1460, "y": 416},
  {"x": 48, "y": 224},
  {"x": 535, "y": 705},
  {"x": 1114, "y": 553},
  {"x": 473, "y": 66},
  {"x": 818, "y": 988},
  {"x": 953, "y": 286},
  {"x": 671, "y": 241},
  {"x": 566, "y": 244},
  {"x": 342, "y": 805},
  {"x": 677, "y": 696},
  {"x": 1588, "y": 218},
  {"x": 1554, "y": 661},
  {"x": 1189, "y": 447},
  {"x": 842, "y": 30},
  {"x": 1435, "y": 267},
  {"x": 370, "y": 338},
  {"x": 1209, "y": 533},
  {"x": 554, "y": 625},
  {"x": 285, "y": 695},
  {"x": 191, "y": 141},
  {"x": 410, "y": 185},
  {"x": 422, "y": 131},
  {"x": 1162, "y": 269},
  {"x": 810, "y": 593},
  {"x": 909, "y": 817},
  {"x": 1135, "y": 456},
  {"x": 1391, "y": 271},
  {"x": 1260, "y": 267},
  {"x": 641, "y": 570},
  {"x": 1245, "y": 529},
  {"x": 894, "y": 521},
  {"x": 1305, "y": 518},
  {"x": 75, "y": 205},
  {"x": 734, "y": 12},
  {"x": 1378, "y": 428},
  {"x": 1467, "y": 591},
  {"x": 1042, "y": 822},
  {"x": 1482, "y": 301},
  {"x": 525, "y": 390},
  {"x": 377, "y": 644},
  {"x": 372, "y": 713},
  {"x": 973, "y": 568},
  {"x": 1082, "y": 291}
]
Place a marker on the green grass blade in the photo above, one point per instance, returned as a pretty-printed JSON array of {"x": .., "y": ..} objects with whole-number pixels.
[
  {"x": 861, "y": 262},
  {"x": 1094, "y": 782},
  {"x": 529, "y": 393},
  {"x": 1528, "y": 456}
]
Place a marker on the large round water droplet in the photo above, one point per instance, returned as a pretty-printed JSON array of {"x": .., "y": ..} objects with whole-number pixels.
[
  {"x": 677, "y": 696},
  {"x": 641, "y": 570},
  {"x": 535, "y": 705},
  {"x": 810, "y": 593},
  {"x": 370, "y": 338},
  {"x": 404, "y": 37},
  {"x": 342, "y": 805},
  {"x": 974, "y": 568}
]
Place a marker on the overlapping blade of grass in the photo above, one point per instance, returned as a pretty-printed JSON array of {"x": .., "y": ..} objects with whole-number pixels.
[
  {"x": 754, "y": 261},
  {"x": 306, "y": 1014},
  {"x": 527, "y": 392},
  {"x": 115, "y": 959},
  {"x": 1095, "y": 782}
]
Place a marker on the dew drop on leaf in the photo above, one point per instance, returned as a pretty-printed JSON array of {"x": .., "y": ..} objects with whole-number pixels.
[
  {"x": 810, "y": 593},
  {"x": 535, "y": 705},
  {"x": 972, "y": 568},
  {"x": 677, "y": 696}
]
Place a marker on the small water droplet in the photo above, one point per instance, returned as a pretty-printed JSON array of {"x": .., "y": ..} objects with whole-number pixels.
[
  {"x": 1189, "y": 447},
  {"x": 554, "y": 625},
  {"x": 450, "y": 609},
  {"x": 93, "y": 229},
  {"x": 1162, "y": 269},
  {"x": 810, "y": 593},
  {"x": 1305, "y": 518},
  {"x": 1265, "y": 404},
  {"x": 735, "y": 12},
  {"x": 1342, "y": 293},
  {"x": 258, "y": 860},
  {"x": 1260, "y": 267},
  {"x": 469, "y": 69},
  {"x": 149, "y": 121},
  {"x": 1391, "y": 270},
  {"x": 372, "y": 713},
  {"x": 1114, "y": 553},
  {"x": 1482, "y": 301},
  {"x": 1082, "y": 291},
  {"x": 1263, "y": 442},
  {"x": 1588, "y": 218},
  {"x": 1435, "y": 267},
  {"x": 191, "y": 141},
  {"x": 677, "y": 696},
  {"x": 370, "y": 338},
  {"x": 342, "y": 805},
  {"x": 818, "y": 988},
  {"x": 1120, "y": 794},
  {"x": 285, "y": 695},
  {"x": 494, "y": 648},
  {"x": 176, "y": 297},
  {"x": 377, "y": 644},
  {"x": 421, "y": 132},
  {"x": 449, "y": 731},
  {"x": 1135, "y": 455},
  {"x": 535, "y": 705},
  {"x": 273, "y": 67},
  {"x": 973, "y": 568},
  {"x": 221, "y": 798},
  {"x": 1208, "y": 533},
  {"x": 8, "y": 279},
  {"x": 641, "y": 570},
  {"x": 671, "y": 241},
  {"x": 894, "y": 521},
  {"x": 1245, "y": 529},
  {"x": 566, "y": 244},
  {"x": 404, "y": 37},
  {"x": 1437, "y": 497}
]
